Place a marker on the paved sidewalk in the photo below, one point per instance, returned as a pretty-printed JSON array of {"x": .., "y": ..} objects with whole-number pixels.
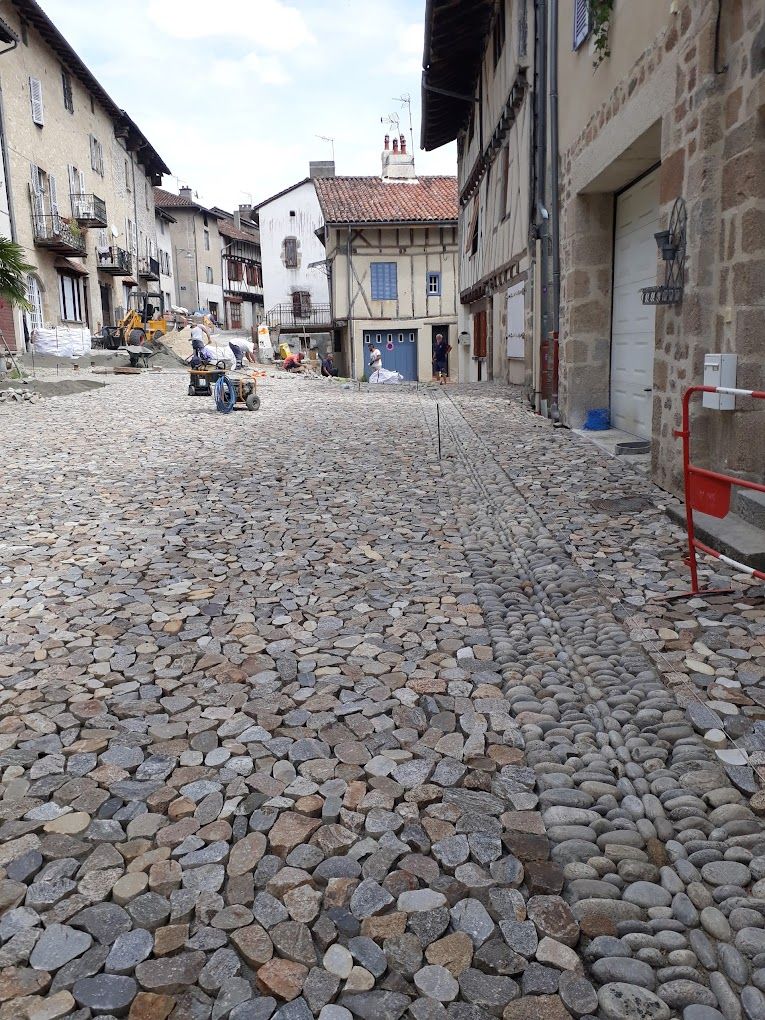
[{"x": 298, "y": 721}]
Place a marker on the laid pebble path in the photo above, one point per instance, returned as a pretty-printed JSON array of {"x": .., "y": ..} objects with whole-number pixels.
[{"x": 297, "y": 722}]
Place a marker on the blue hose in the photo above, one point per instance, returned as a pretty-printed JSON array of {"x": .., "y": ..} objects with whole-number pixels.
[{"x": 225, "y": 395}]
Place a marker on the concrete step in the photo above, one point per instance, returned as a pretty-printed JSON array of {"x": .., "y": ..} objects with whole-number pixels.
[
  {"x": 732, "y": 536},
  {"x": 750, "y": 506}
]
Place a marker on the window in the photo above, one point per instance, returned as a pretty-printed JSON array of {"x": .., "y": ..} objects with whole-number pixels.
[
  {"x": 290, "y": 253},
  {"x": 127, "y": 176},
  {"x": 254, "y": 277},
  {"x": 498, "y": 34},
  {"x": 96, "y": 155},
  {"x": 434, "y": 284},
  {"x": 36, "y": 101},
  {"x": 301, "y": 304},
  {"x": 70, "y": 295},
  {"x": 581, "y": 22},
  {"x": 131, "y": 237},
  {"x": 161, "y": 226},
  {"x": 24, "y": 33},
  {"x": 209, "y": 275},
  {"x": 35, "y": 300},
  {"x": 504, "y": 173},
  {"x": 479, "y": 335},
  {"x": 471, "y": 237},
  {"x": 384, "y": 281},
  {"x": 235, "y": 271},
  {"x": 92, "y": 105},
  {"x": 146, "y": 194},
  {"x": 207, "y": 240},
  {"x": 66, "y": 85},
  {"x": 292, "y": 212}
]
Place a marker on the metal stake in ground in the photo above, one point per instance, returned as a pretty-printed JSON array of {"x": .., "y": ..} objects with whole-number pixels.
[{"x": 438, "y": 423}]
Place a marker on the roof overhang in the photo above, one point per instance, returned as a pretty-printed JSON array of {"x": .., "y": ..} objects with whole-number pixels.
[
  {"x": 455, "y": 40},
  {"x": 7, "y": 35}
]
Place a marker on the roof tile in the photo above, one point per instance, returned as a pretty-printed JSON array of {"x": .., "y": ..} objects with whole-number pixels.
[{"x": 372, "y": 200}]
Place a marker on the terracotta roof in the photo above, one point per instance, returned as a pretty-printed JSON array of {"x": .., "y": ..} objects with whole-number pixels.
[
  {"x": 227, "y": 229},
  {"x": 370, "y": 200},
  {"x": 168, "y": 200}
]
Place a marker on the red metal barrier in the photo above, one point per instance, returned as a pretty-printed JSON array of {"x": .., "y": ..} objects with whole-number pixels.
[{"x": 709, "y": 492}]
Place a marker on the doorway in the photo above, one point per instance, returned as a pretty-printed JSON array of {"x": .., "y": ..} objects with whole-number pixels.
[
  {"x": 398, "y": 348},
  {"x": 106, "y": 304},
  {"x": 632, "y": 322},
  {"x": 444, "y": 331}
]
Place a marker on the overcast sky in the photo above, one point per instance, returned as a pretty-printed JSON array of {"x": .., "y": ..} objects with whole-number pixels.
[{"x": 232, "y": 93}]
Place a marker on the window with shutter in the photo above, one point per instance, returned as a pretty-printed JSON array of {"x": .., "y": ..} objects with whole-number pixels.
[
  {"x": 36, "y": 100},
  {"x": 479, "y": 335},
  {"x": 54, "y": 203},
  {"x": 301, "y": 304},
  {"x": 38, "y": 199},
  {"x": 581, "y": 22},
  {"x": 66, "y": 85},
  {"x": 290, "y": 253},
  {"x": 384, "y": 281},
  {"x": 96, "y": 155}
]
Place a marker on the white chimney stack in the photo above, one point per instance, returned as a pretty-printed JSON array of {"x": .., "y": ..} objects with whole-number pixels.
[{"x": 397, "y": 163}]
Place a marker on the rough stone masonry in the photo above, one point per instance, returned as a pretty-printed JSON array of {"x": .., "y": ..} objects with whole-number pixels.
[{"x": 297, "y": 722}]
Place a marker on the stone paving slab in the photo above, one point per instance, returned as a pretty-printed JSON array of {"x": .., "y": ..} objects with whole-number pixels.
[{"x": 296, "y": 721}]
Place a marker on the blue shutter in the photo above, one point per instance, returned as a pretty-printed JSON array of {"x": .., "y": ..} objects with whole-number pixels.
[
  {"x": 384, "y": 281},
  {"x": 581, "y": 22}
]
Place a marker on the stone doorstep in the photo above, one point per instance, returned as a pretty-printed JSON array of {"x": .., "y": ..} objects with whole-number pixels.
[
  {"x": 609, "y": 441},
  {"x": 732, "y": 536},
  {"x": 750, "y": 505}
]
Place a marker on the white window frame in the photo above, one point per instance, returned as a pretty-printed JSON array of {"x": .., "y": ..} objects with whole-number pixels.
[
  {"x": 434, "y": 277},
  {"x": 96, "y": 156},
  {"x": 36, "y": 101},
  {"x": 207, "y": 239},
  {"x": 34, "y": 296},
  {"x": 70, "y": 298}
]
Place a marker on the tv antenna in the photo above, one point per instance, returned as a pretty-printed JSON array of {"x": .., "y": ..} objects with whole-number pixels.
[
  {"x": 326, "y": 138},
  {"x": 406, "y": 101}
]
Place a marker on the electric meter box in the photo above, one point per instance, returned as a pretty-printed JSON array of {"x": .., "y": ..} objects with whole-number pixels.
[{"x": 720, "y": 370}]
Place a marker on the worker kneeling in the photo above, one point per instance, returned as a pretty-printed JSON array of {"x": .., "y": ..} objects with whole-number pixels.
[{"x": 293, "y": 363}]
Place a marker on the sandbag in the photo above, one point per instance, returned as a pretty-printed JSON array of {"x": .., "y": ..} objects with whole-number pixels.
[{"x": 62, "y": 342}]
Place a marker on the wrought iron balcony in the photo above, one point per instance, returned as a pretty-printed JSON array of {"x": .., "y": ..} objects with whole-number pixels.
[
  {"x": 89, "y": 210},
  {"x": 57, "y": 234},
  {"x": 148, "y": 268},
  {"x": 114, "y": 261},
  {"x": 289, "y": 316}
]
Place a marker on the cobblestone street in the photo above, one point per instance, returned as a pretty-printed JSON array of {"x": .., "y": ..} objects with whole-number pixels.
[{"x": 298, "y": 721}]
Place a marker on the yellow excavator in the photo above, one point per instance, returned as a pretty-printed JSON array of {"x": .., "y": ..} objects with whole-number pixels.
[{"x": 143, "y": 324}]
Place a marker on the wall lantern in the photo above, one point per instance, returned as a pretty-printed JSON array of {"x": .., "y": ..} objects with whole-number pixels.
[{"x": 671, "y": 245}]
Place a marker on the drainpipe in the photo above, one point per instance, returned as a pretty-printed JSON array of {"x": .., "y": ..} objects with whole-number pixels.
[
  {"x": 554, "y": 356},
  {"x": 541, "y": 215},
  {"x": 350, "y": 309}
]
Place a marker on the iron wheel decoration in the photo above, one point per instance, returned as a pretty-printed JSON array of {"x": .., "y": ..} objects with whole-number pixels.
[{"x": 671, "y": 245}]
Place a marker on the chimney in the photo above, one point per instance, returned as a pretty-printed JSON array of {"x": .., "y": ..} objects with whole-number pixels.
[
  {"x": 238, "y": 219},
  {"x": 186, "y": 192},
  {"x": 397, "y": 163},
  {"x": 321, "y": 168}
]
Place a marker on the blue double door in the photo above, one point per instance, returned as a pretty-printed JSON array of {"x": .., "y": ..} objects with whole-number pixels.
[{"x": 398, "y": 349}]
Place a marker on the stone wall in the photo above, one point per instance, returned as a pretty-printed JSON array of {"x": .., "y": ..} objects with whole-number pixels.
[{"x": 713, "y": 155}]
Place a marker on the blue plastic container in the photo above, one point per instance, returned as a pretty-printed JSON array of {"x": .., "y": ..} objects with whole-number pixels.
[{"x": 598, "y": 420}]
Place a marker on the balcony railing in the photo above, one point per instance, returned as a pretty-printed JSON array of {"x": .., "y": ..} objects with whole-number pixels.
[
  {"x": 148, "y": 268},
  {"x": 114, "y": 261},
  {"x": 287, "y": 315},
  {"x": 55, "y": 233},
  {"x": 89, "y": 210}
]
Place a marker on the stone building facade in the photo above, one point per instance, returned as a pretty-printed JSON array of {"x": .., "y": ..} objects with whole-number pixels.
[
  {"x": 80, "y": 174},
  {"x": 666, "y": 127},
  {"x": 677, "y": 112},
  {"x": 197, "y": 250}
]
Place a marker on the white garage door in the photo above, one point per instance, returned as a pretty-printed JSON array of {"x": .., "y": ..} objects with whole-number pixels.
[{"x": 632, "y": 327}]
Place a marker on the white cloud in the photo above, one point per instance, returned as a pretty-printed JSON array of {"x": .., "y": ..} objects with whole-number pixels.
[
  {"x": 232, "y": 73},
  {"x": 273, "y": 25}
]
